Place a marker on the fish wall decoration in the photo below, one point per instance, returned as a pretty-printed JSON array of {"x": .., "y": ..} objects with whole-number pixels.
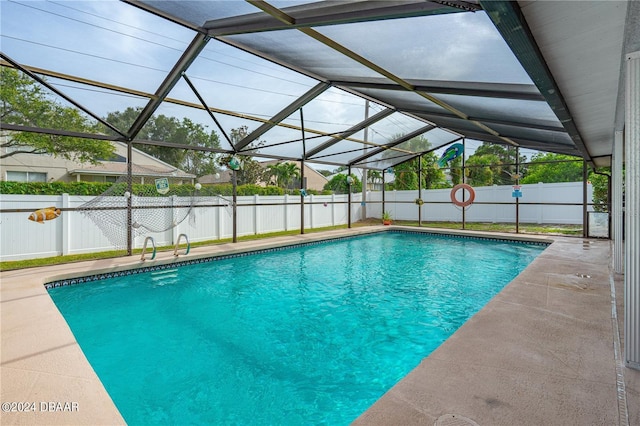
[{"x": 42, "y": 215}]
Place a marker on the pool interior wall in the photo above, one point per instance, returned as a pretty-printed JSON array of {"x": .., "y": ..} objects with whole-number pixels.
[{"x": 42, "y": 362}]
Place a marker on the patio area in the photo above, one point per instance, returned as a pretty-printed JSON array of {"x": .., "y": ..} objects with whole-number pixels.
[{"x": 546, "y": 350}]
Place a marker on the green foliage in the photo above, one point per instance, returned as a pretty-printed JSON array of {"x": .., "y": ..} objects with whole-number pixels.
[
  {"x": 147, "y": 190},
  {"x": 338, "y": 184},
  {"x": 251, "y": 189},
  {"x": 24, "y": 102},
  {"x": 53, "y": 188},
  {"x": 170, "y": 129},
  {"x": 250, "y": 172},
  {"x": 552, "y": 168},
  {"x": 481, "y": 172},
  {"x": 493, "y": 164},
  {"x": 600, "y": 184},
  {"x": 282, "y": 174},
  {"x": 455, "y": 170},
  {"x": 374, "y": 176},
  {"x": 407, "y": 173},
  {"x": 406, "y": 176}
]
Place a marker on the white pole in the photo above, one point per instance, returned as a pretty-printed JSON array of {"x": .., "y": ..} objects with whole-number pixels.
[
  {"x": 632, "y": 213},
  {"x": 364, "y": 169},
  {"x": 616, "y": 203}
]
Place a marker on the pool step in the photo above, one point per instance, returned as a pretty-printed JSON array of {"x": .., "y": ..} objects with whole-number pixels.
[{"x": 164, "y": 277}]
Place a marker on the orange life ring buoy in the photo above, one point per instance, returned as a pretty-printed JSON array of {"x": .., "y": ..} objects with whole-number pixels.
[{"x": 472, "y": 195}]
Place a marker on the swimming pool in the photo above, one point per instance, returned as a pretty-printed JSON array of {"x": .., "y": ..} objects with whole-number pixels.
[{"x": 301, "y": 335}]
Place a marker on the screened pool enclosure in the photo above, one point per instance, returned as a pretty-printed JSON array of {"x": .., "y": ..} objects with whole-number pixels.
[{"x": 335, "y": 84}]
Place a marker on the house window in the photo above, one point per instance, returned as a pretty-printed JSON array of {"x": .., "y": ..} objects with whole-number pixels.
[
  {"x": 26, "y": 176},
  {"x": 98, "y": 178}
]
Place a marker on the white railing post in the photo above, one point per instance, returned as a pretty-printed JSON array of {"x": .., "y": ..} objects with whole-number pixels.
[
  {"x": 221, "y": 217},
  {"x": 494, "y": 211},
  {"x": 174, "y": 230},
  {"x": 256, "y": 215},
  {"x": 66, "y": 225},
  {"x": 311, "y": 208},
  {"x": 286, "y": 212},
  {"x": 333, "y": 209},
  {"x": 540, "y": 190}
]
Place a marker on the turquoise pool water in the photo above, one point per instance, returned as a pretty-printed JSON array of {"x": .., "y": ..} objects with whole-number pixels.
[{"x": 305, "y": 335}]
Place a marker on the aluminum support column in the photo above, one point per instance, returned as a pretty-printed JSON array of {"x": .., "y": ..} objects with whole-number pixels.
[
  {"x": 616, "y": 204},
  {"x": 632, "y": 213},
  {"x": 585, "y": 214}
]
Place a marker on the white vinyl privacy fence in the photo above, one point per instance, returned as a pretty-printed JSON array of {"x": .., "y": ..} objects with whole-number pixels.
[
  {"x": 73, "y": 232},
  {"x": 556, "y": 203}
]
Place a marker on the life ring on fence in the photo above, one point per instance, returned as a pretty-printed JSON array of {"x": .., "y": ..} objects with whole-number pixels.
[{"x": 463, "y": 186}]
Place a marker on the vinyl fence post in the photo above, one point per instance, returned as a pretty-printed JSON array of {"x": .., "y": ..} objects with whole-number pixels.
[
  {"x": 257, "y": 225},
  {"x": 286, "y": 212},
  {"x": 66, "y": 226},
  {"x": 311, "y": 208},
  {"x": 333, "y": 209}
]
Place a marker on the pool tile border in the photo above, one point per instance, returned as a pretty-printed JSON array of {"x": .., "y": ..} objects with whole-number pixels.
[{"x": 103, "y": 276}]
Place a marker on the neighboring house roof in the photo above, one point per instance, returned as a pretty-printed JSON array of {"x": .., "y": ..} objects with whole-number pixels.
[
  {"x": 315, "y": 179},
  {"x": 143, "y": 165},
  {"x": 224, "y": 176},
  {"x": 113, "y": 168}
]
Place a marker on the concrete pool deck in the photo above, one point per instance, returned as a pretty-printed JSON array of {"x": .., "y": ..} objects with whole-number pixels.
[{"x": 543, "y": 351}]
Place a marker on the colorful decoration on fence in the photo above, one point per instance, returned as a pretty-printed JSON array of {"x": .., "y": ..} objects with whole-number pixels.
[
  {"x": 41, "y": 215},
  {"x": 162, "y": 185},
  {"x": 454, "y": 151},
  {"x": 234, "y": 163},
  {"x": 303, "y": 193}
]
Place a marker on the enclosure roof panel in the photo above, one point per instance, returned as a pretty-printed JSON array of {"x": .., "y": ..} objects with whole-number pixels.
[{"x": 535, "y": 74}]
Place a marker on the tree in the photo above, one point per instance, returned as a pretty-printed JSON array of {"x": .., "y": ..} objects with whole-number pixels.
[
  {"x": 24, "y": 102},
  {"x": 407, "y": 172},
  {"x": 481, "y": 172},
  {"x": 339, "y": 184},
  {"x": 170, "y": 129},
  {"x": 600, "y": 185},
  {"x": 374, "y": 176},
  {"x": 250, "y": 171},
  {"x": 283, "y": 173},
  {"x": 551, "y": 168},
  {"x": 198, "y": 162},
  {"x": 455, "y": 170},
  {"x": 495, "y": 165}
]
